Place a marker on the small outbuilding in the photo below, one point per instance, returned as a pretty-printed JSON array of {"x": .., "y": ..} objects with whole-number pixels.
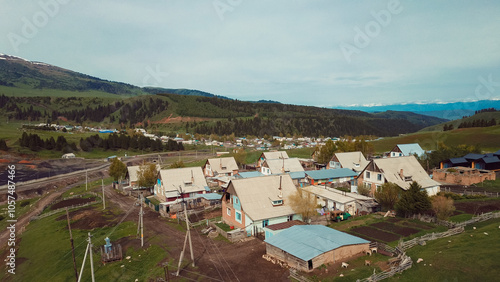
[{"x": 306, "y": 247}]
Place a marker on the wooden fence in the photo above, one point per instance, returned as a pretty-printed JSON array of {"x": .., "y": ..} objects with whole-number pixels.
[
  {"x": 405, "y": 263},
  {"x": 403, "y": 246}
]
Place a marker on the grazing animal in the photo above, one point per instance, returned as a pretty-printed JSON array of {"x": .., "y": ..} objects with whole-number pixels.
[{"x": 345, "y": 264}]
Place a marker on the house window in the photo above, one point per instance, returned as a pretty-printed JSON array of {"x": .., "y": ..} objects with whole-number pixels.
[
  {"x": 278, "y": 203},
  {"x": 289, "y": 218},
  {"x": 265, "y": 222},
  {"x": 237, "y": 215},
  {"x": 236, "y": 200},
  {"x": 379, "y": 177},
  {"x": 407, "y": 178},
  {"x": 229, "y": 211},
  {"x": 367, "y": 174}
]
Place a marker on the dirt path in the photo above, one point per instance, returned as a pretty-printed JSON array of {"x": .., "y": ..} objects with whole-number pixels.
[
  {"x": 218, "y": 260},
  {"x": 24, "y": 219}
]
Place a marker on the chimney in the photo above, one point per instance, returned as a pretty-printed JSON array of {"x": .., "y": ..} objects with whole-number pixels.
[
  {"x": 281, "y": 193},
  {"x": 401, "y": 174}
]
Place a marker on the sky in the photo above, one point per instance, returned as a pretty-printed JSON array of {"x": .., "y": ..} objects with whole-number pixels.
[{"x": 319, "y": 53}]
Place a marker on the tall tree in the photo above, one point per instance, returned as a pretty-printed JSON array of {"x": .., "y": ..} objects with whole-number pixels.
[
  {"x": 117, "y": 169},
  {"x": 388, "y": 195},
  {"x": 303, "y": 203},
  {"x": 413, "y": 201},
  {"x": 147, "y": 175},
  {"x": 326, "y": 152}
]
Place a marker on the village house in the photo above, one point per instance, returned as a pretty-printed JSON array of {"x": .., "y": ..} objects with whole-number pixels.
[
  {"x": 331, "y": 200},
  {"x": 178, "y": 183},
  {"x": 306, "y": 247},
  {"x": 401, "y": 171},
  {"x": 355, "y": 161},
  {"x": 404, "y": 150},
  {"x": 131, "y": 177},
  {"x": 462, "y": 175},
  {"x": 254, "y": 203},
  {"x": 220, "y": 167},
  {"x": 276, "y": 166},
  {"x": 270, "y": 156},
  {"x": 489, "y": 161}
]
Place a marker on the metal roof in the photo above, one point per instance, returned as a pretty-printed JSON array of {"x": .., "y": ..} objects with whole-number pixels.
[
  {"x": 327, "y": 193},
  {"x": 255, "y": 195},
  {"x": 410, "y": 149},
  {"x": 392, "y": 167},
  {"x": 223, "y": 165},
  {"x": 275, "y": 155},
  {"x": 249, "y": 174},
  {"x": 330, "y": 173},
  {"x": 297, "y": 174},
  {"x": 473, "y": 156},
  {"x": 284, "y": 165},
  {"x": 210, "y": 196},
  {"x": 458, "y": 160},
  {"x": 189, "y": 179},
  {"x": 490, "y": 160},
  {"x": 352, "y": 160},
  {"x": 309, "y": 241}
]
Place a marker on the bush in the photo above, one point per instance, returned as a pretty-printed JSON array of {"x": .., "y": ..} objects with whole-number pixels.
[{"x": 24, "y": 203}]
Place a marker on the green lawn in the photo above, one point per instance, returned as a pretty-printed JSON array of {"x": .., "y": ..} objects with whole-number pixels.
[{"x": 22, "y": 206}]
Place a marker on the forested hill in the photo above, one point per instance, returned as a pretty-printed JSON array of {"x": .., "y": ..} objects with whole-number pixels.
[{"x": 204, "y": 115}]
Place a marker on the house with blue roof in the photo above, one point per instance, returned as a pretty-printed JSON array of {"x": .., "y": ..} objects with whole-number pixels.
[
  {"x": 306, "y": 247},
  {"x": 404, "y": 150},
  {"x": 489, "y": 161},
  {"x": 328, "y": 176}
]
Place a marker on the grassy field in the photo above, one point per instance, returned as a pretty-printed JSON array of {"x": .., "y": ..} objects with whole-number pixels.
[
  {"x": 484, "y": 137},
  {"x": 470, "y": 256},
  {"x": 22, "y": 206}
]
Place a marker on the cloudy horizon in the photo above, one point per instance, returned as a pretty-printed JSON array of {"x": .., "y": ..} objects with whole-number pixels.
[{"x": 321, "y": 53}]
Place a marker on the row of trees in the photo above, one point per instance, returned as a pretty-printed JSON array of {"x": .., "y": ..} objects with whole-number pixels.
[
  {"x": 477, "y": 123},
  {"x": 127, "y": 142},
  {"x": 35, "y": 143}
]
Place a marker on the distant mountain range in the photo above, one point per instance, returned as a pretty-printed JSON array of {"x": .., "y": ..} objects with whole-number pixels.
[
  {"x": 26, "y": 84},
  {"x": 449, "y": 111}
]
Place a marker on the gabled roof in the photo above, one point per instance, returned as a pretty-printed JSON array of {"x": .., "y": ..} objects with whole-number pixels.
[
  {"x": 133, "y": 170},
  {"x": 256, "y": 195},
  {"x": 275, "y": 155},
  {"x": 458, "y": 160},
  {"x": 309, "y": 241},
  {"x": 189, "y": 179},
  {"x": 352, "y": 160},
  {"x": 327, "y": 193},
  {"x": 391, "y": 168},
  {"x": 497, "y": 153},
  {"x": 249, "y": 174},
  {"x": 410, "y": 149},
  {"x": 223, "y": 165},
  {"x": 491, "y": 160},
  {"x": 473, "y": 156},
  {"x": 284, "y": 165},
  {"x": 331, "y": 173}
]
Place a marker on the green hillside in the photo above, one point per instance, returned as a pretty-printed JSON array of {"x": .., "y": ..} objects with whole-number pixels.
[
  {"x": 422, "y": 120},
  {"x": 487, "y": 138},
  {"x": 486, "y": 116}
]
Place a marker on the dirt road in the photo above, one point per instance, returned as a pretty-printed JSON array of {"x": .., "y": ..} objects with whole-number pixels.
[{"x": 214, "y": 259}]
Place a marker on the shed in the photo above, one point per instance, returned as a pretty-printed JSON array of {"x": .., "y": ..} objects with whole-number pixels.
[{"x": 306, "y": 247}]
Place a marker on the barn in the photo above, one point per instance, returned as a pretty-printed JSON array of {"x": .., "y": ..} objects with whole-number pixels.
[{"x": 306, "y": 247}]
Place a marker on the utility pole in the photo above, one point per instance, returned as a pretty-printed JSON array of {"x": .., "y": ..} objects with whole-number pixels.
[
  {"x": 72, "y": 245},
  {"x": 88, "y": 250},
  {"x": 86, "y": 179},
  {"x": 188, "y": 236},
  {"x": 140, "y": 224},
  {"x": 103, "y": 197}
]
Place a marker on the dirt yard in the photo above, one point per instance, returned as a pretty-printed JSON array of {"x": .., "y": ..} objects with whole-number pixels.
[
  {"x": 478, "y": 207},
  {"x": 71, "y": 202}
]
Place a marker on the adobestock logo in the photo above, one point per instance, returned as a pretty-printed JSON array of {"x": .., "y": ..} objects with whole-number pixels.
[
  {"x": 372, "y": 29},
  {"x": 40, "y": 19}
]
